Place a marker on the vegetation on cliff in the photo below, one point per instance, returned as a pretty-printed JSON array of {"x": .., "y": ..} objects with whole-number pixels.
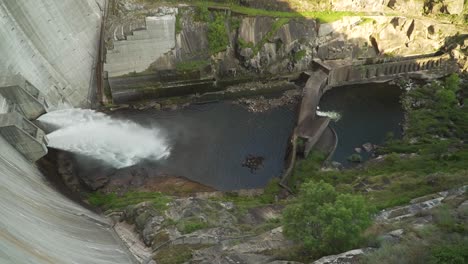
[
  {"x": 325, "y": 221},
  {"x": 431, "y": 157}
]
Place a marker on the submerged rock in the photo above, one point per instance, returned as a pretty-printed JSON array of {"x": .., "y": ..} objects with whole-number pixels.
[
  {"x": 356, "y": 158},
  {"x": 368, "y": 147},
  {"x": 254, "y": 163}
]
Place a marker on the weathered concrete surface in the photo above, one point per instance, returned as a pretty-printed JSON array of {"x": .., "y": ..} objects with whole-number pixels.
[
  {"x": 140, "y": 50},
  {"x": 22, "y": 95},
  {"x": 23, "y": 135},
  {"x": 429, "y": 66},
  {"x": 327, "y": 142},
  {"x": 312, "y": 93},
  {"x": 39, "y": 225},
  {"x": 53, "y": 44}
]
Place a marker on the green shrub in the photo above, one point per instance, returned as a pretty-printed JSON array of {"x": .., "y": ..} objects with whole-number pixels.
[
  {"x": 217, "y": 34},
  {"x": 271, "y": 191},
  {"x": 450, "y": 254},
  {"x": 325, "y": 221}
]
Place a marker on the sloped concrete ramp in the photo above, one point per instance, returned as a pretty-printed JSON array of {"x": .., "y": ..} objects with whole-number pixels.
[{"x": 38, "y": 225}]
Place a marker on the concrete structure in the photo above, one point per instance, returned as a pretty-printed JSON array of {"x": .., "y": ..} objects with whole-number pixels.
[
  {"x": 138, "y": 51},
  {"x": 429, "y": 66},
  {"x": 23, "y": 135},
  {"x": 23, "y": 96},
  {"x": 21, "y": 102},
  {"x": 53, "y": 44},
  {"x": 330, "y": 74},
  {"x": 312, "y": 130},
  {"x": 41, "y": 226}
]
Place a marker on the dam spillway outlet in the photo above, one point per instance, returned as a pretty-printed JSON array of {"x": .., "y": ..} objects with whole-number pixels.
[{"x": 116, "y": 142}]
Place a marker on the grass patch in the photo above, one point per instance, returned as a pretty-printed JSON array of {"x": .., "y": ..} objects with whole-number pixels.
[
  {"x": 186, "y": 66},
  {"x": 234, "y": 6},
  {"x": 320, "y": 16},
  {"x": 176, "y": 254},
  {"x": 366, "y": 20},
  {"x": 299, "y": 55},
  {"x": 433, "y": 244},
  {"x": 112, "y": 201},
  {"x": 191, "y": 225},
  {"x": 245, "y": 203}
]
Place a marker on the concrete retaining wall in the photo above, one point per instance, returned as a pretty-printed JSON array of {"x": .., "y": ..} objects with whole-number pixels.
[
  {"x": 140, "y": 50},
  {"x": 360, "y": 72},
  {"x": 23, "y": 135}
]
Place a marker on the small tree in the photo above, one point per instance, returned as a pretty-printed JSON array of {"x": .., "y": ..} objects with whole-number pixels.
[{"x": 324, "y": 220}]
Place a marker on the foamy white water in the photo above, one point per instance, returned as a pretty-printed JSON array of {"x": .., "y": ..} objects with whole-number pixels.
[
  {"x": 116, "y": 142},
  {"x": 332, "y": 115}
]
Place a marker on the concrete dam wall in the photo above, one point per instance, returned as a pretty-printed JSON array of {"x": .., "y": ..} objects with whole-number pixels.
[
  {"x": 53, "y": 44},
  {"x": 38, "y": 225},
  {"x": 48, "y": 52}
]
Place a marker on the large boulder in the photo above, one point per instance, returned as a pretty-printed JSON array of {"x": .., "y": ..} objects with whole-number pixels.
[
  {"x": 454, "y": 7},
  {"x": 348, "y": 257},
  {"x": 406, "y": 6}
]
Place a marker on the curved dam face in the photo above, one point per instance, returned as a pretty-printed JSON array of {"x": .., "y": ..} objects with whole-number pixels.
[
  {"x": 53, "y": 44},
  {"x": 39, "y": 225}
]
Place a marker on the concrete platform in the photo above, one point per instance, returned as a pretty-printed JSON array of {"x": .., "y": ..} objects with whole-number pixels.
[
  {"x": 23, "y": 135},
  {"x": 22, "y": 96}
]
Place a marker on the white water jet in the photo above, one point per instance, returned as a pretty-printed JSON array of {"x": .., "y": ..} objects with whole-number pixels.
[
  {"x": 335, "y": 116},
  {"x": 117, "y": 142}
]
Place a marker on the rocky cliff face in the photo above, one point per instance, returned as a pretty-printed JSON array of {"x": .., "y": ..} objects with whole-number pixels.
[
  {"x": 400, "y": 6},
  {"x": 263, "y": 46},
  {"x": 53, "y": 44}
]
